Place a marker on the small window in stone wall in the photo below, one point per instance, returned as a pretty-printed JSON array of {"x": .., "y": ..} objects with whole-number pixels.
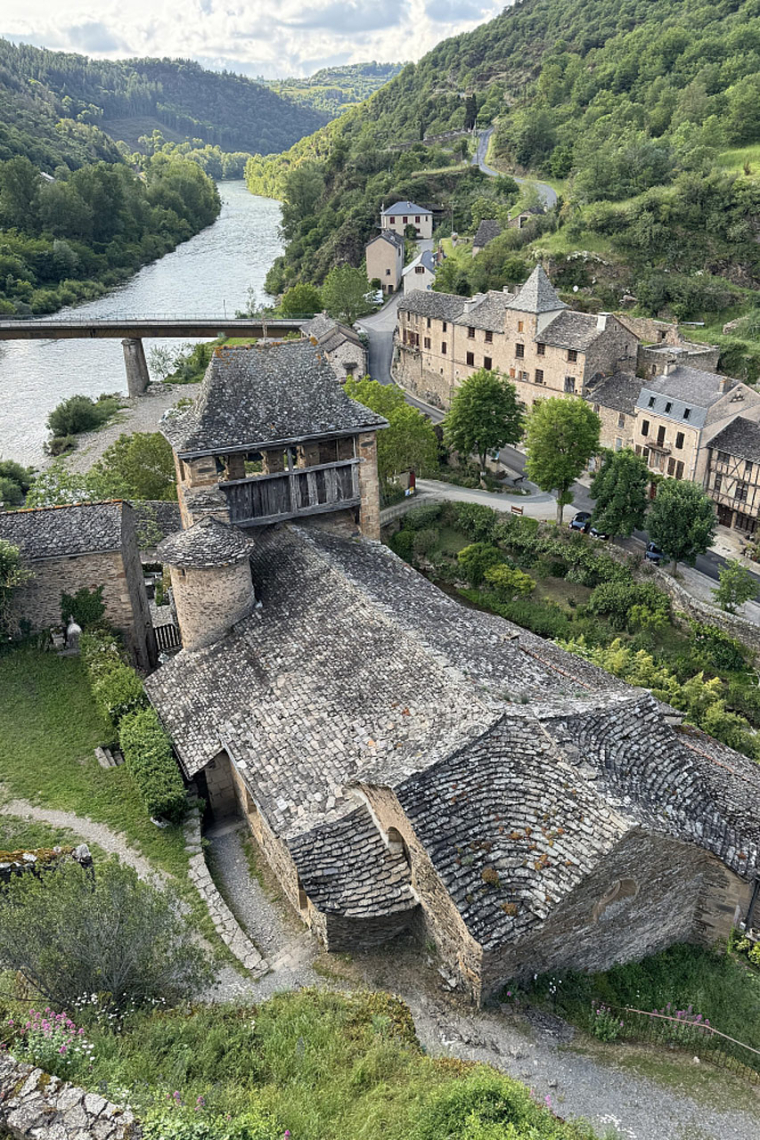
[{"x": 611, "y": 903}]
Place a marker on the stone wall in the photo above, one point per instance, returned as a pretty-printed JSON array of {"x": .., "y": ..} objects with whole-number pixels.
[
  {"x": 140, "y": 637},
  {"x": 369, "y": 486},
  {"x": 612, "y": 350},
  {"x": 14, "y": 863},
  {"x": 424, "y": 374},
  {"x": 348, "y": 359},
  {"x": 664, "y": 884},
  {"x": 34, "y": 1105}
]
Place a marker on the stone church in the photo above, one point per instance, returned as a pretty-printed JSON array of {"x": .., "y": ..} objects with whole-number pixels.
[{"x": 405, "y": 763}]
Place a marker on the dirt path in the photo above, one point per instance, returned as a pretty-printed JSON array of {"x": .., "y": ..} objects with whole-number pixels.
[{"x": 111, "y": 841}]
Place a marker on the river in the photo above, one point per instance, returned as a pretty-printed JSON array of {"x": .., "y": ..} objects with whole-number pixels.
[{"x": 209, "y": 274}]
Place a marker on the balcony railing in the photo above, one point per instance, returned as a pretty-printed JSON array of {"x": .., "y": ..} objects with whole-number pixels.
[{"x": 264, "y": 499}]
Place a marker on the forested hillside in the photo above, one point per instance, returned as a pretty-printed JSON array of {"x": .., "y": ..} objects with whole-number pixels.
[
  {"x": 334, "y": 89},
  {"x": 41, "y": 89},
  {"x": 630, "y": 102}
]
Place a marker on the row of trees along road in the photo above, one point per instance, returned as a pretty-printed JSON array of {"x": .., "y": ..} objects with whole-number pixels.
[{"x": 561, "y": 436}]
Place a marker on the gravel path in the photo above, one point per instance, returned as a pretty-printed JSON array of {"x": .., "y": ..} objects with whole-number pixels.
[
  {"x": 140, "y": 413},
  {"x": 287, "y": 945},
  {"x": 111, "y": 841}
]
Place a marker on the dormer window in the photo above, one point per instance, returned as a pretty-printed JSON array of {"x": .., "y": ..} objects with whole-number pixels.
[
  {"x": 651, "y": 401},
  {"x": 572, "y": 355},
  {"x": 668, "y": 406},
  {"x": 686, "y": 413}
]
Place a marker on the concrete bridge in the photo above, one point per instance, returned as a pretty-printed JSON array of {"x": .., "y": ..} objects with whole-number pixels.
[{"x": 132, "y": 330}]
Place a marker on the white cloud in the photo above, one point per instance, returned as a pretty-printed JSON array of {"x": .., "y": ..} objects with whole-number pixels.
[{"x": 269, "y": 37}]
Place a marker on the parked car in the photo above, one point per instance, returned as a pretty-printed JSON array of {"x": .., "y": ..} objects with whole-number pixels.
[
  {"x": 595, "y": 532},
  {"x": 581, "y": 521},
  {"x": 653, "y": 553}
]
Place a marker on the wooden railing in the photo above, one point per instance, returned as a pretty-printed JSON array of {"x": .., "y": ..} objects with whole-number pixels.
[{"x": 264, "y": 499}]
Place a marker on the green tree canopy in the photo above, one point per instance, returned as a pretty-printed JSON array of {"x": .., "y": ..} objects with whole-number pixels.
[
  {"x": 70, "y": 932},
  {"x": 485, "y": 415},
  {"x": 410, "y": 442},
  {"x": 737, "y": 586},
  {"x": 301, "y": 301},
  {"x": 13, "y": 574},
  {"x": 136, "y": 466},
  {"x": 344, "y": 294},
  {"x": 562, "y": 435},
  {"x": 681, "y": 520},
  {"x": 619, "y": 489}
]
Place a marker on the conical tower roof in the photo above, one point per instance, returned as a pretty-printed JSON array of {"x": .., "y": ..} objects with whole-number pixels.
[
  {"x": 208, "y": 543},
  {"x": 537, "y": 295}
]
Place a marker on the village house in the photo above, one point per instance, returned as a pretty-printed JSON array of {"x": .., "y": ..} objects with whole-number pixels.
[
  {"x": 341, "y": 345},
  {"x": 402, "y": 214},
  {"x": 662, "y": 342},
  {"x": 385, "y": 259},
  {"x": 420, "y": 273},
  {"x": 614, "y": 400},
  {"x": 488, "y": 229},
  {"x": 732, "y": 473},
  {"x": 532, "y": 337},
  {"x": 82, "y": 546},
  {"x": 678, "y": 411},
  {"x": 405, "y": 763}
]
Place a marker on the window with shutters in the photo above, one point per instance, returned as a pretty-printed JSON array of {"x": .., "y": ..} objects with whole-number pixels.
[
  {"x": 660, "y": 436},
  {"x": 487, "y": 362},
  {"x": 645, "y": 453},
  {"x": 679, "y": 440},
  {"x": 426, "y": 342},
  {"x": 471, "y": 359},
  {"x": 572, "y": 355},
  {"x": 645, "y": 427},
  {"x": 540, "y": 350},
  {"x": 445, "y": 326},
  {"x": 671, "y": 465},
  {"x": 569, "y": 383},
  {"x": 489, "y": 336},
  {"x": 443, "y": 348},
  {"x": 471, "y": 333},
  {"x": 520, "y": 326},
  {"x": 740, "y": 494},
  {"x": 679, "y": 470},
  {"x": 539, "y": 375},
  {"x": 519, "y": 351}
]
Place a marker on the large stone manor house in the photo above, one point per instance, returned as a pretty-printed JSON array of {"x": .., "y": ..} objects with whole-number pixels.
[{"x": 405, "y": 763}]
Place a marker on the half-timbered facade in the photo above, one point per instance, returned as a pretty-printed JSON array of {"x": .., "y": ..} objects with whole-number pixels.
[{"x": 732, "y": 476}]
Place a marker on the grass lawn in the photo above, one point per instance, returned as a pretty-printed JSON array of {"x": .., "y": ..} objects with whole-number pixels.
[
  {"x": 736, "y": 158},
  {"x": 461, "y": 253},
  {"x": 49, "y": 728},
  {"x": 564, "y": 593}
]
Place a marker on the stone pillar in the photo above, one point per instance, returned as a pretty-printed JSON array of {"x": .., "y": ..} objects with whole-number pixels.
[
  {"x": 369, "y": 486},
  {"x": 137, "y": 368},
  {"x": 308, "y": 454},
  {"x": 272, "y": 462},
  {"x": 234, "y": 465}
]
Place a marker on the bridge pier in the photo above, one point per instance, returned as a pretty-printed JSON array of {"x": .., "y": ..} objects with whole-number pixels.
[{"x": 138, "y": 376}]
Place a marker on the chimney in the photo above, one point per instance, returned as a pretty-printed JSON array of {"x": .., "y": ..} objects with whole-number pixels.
[
  {"x": 670, "y": 366},
  {"x": 601, "y": 322},
  {"x": 473, "y": 301}
]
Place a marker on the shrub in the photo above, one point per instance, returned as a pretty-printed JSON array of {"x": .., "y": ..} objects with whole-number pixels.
[
  {"x": 184, "y": 1122},
  {"x": 508, "y": 581},
  {"x": 716, "y": 650},
  {"x": 80, "y": 413},
  {"x": 72, "y": 932},
  {"x": 60, "y": 444},
  {"x": 118, "y": 690},
  {"x": 475, "y": 520},
  {"x": 422, "y": 518},
  {"x": 151, "y": 764},
  {"x": 542, "y": 618},
  {"x": 86, "y": 606},
  {"x": 477, "y": 558},
  {"x": 402, "y": 543},
  {"x": 424, "y": 542},
  {"x": 11, "y": 494},
  {"x": 628, "y": 605},
  {"x": 23, "y": 477}
]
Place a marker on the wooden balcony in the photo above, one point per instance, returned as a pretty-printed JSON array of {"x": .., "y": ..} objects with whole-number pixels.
[{"x": 265, "y": 499}]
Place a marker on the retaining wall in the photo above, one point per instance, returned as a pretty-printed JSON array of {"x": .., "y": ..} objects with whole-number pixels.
[{"x": 34, "y": 1105}]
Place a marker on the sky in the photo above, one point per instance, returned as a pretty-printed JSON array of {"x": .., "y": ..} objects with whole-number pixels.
[{"x": 272, "y": 38}]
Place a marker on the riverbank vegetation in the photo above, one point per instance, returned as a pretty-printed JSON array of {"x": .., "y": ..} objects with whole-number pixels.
[
  {"x": 602, "y": 609},
  {"x": 73, "y": 238},
  {"x": 78, "y": 414}
]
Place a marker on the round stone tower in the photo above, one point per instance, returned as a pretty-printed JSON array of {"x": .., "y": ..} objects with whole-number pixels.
[{"x": 211, "y": 579}]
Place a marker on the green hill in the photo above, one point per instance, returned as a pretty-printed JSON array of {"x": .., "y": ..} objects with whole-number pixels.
[
  {"x": 333, "y": 90},
  {"x": 628, "y": 102},
  {"x": 40, "y": 89}
]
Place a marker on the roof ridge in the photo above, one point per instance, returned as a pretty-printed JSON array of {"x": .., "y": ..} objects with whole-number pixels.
[{"x": 78, "y": 503}]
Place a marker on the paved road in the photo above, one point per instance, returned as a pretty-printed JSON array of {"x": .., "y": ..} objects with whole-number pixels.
[{"x": 546, "y": 193}]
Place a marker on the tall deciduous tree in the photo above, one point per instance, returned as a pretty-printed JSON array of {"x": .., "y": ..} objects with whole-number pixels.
[
  {"x": 20, "y": 184},
  {"x": 485, "y": 415},
  {"x": 737, "y": 586},
  {"x": 139, "y": 466},
  {"x": 301, "y": 301},
  {"x": 344, "y": 293},
  {"x": 619, "y": 489},
  {"x": 681, "y": 520},
  {"x": 409, "y": 442},
  {"x": 562, "y": 435}
]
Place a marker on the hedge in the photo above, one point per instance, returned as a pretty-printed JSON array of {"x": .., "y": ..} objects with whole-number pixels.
[
  {"x": 116, "y": 687},
  {"x": 151, "y": 765}
]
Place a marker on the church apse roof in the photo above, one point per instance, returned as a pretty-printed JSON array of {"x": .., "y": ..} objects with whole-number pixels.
[{"x": 262, "y": 395}]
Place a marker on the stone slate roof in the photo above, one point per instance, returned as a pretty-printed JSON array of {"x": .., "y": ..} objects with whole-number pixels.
[
  {"x": 488, "y": 313},
  {"x": 741, "y": 438},
  {"x": 57, "y": 532},
  {"x": 619, "y": 392},
  {"x": 427, "y": 303},
  {"x": 157, "y": 516},
  {"x": 207, "y": 543},
  {"x": 318, "y": 325},
  {"x": 537, "y": 295},
  {"x": 505, "y": 752},
  {"x": 406, "y": 208},
  {"x": 571, "y": 330},
  {"x": 488, "y": 229},
  {"x": 426, "y": 259},
  {"x": 392, "y": 237},
  {"x": 261, "y": 395}
]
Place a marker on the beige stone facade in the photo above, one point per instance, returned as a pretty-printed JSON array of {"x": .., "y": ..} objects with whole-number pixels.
[
  {"x": 210, "y": 601},
  {"x": 402, "y": 214},
  {"x": 385, "y": 260},
  {"x": 545, "y": 349}
]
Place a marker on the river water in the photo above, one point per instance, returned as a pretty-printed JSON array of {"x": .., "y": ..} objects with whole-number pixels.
[{"x": 208, "y": 275}]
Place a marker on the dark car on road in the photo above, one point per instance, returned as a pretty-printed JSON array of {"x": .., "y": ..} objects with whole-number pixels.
[
  {"x": 581, "y": 521},
  {"x": 595, "y": 532},
  {"x": 653, "y": 553}
]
